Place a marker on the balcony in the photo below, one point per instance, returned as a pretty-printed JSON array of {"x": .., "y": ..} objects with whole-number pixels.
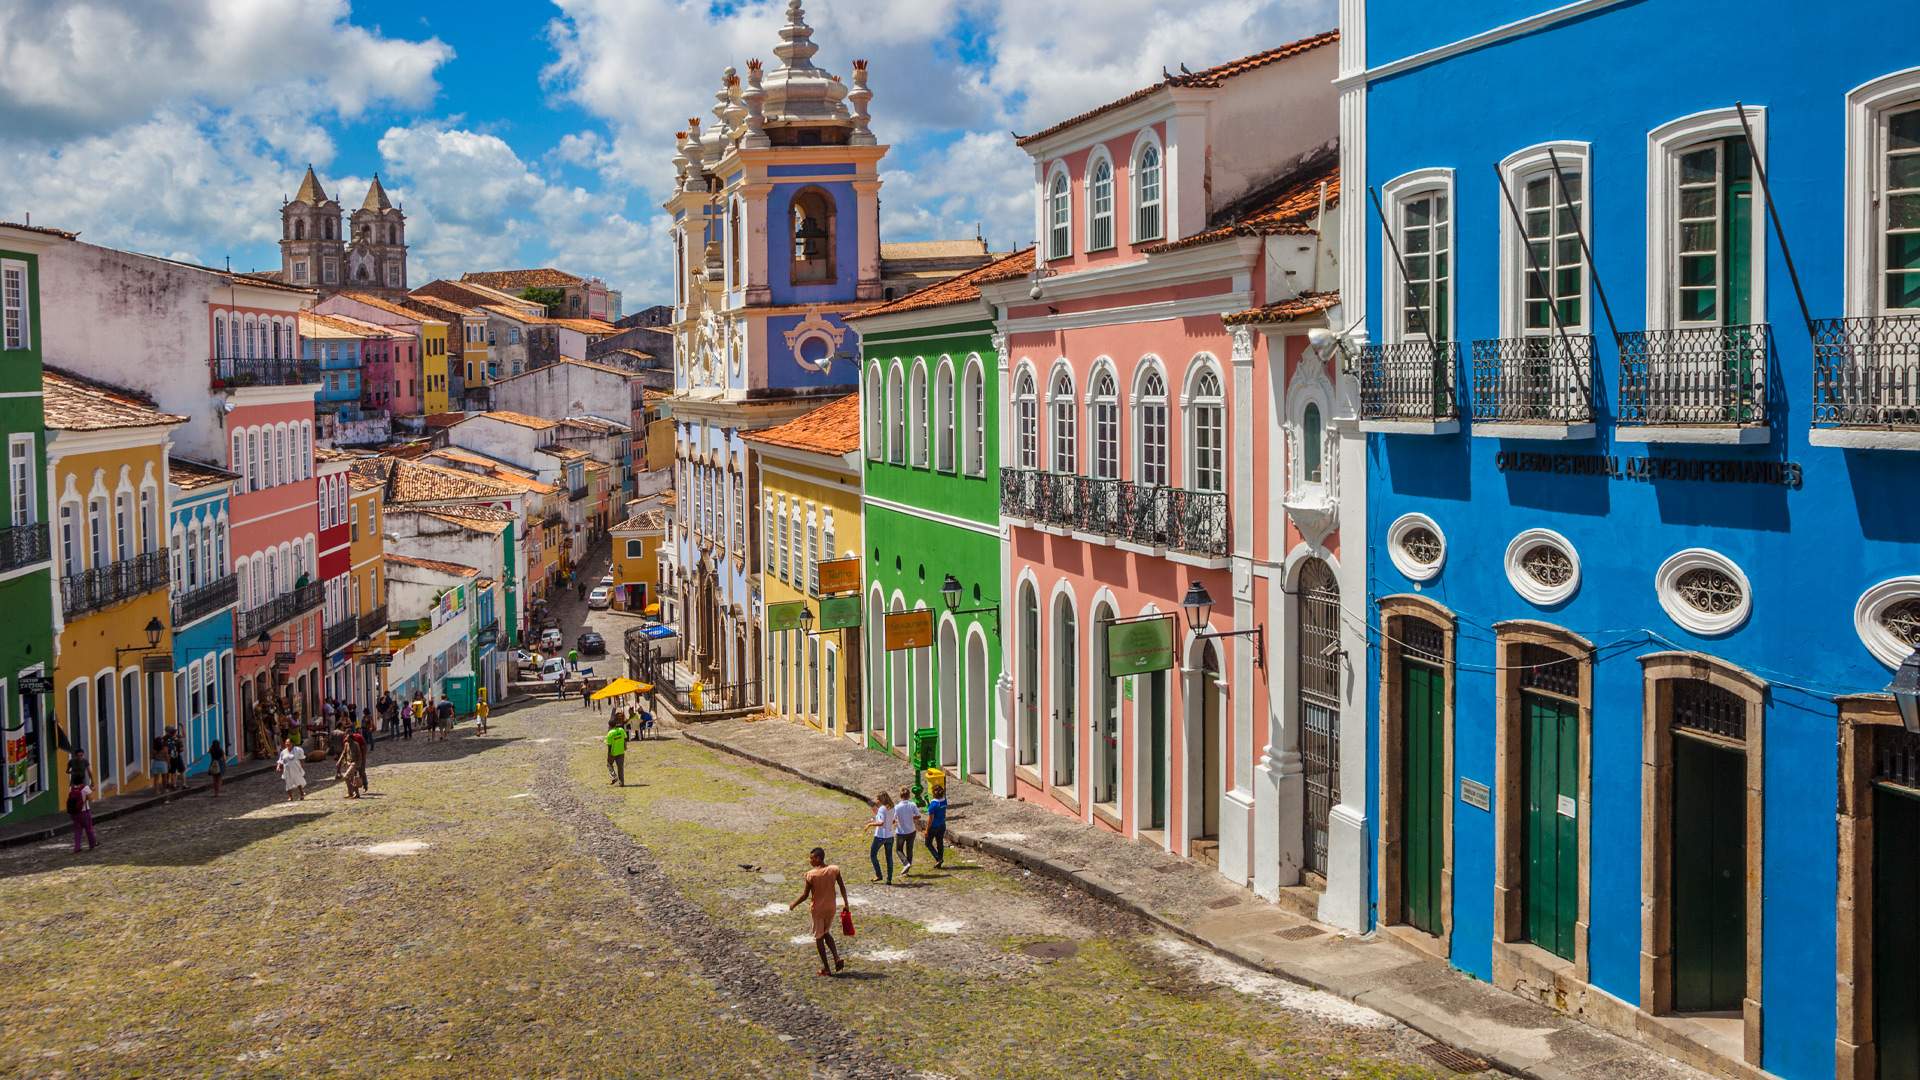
[
  {"x": 1149, "y": 515},
  {"x": 372, "y": 622},
  {"x": 1409, "y": 387},
  {"x": 104, "y": 586},
  {"x": 23, "y": 545},
  {"x": 1534, "y": 387},
  {"x": 230, "y": 371},
  {"x": 1697, "y": 384},
  {"x": 577, "y": 493},
  {"x": 199, "y": 603},
  {"x": 265, "y": 617},
  {"x": 1866, "y": 382},
  {"x": 341, "y": 634}
]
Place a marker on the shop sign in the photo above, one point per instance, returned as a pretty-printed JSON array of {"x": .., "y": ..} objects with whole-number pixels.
[
  {"x": 1785, "y": 474},
  {"x": 839, "y": 612},
  {"x": 909, "y": 630},
  {"x": 785, "y": 616},
  {"x": 1139, "y": 646},
  {"x": 839, "y": 576},
  {"x": 1476, "y": 794}
]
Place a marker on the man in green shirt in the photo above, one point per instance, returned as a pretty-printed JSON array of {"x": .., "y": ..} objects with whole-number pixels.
[{"x": 617, "y": 753}]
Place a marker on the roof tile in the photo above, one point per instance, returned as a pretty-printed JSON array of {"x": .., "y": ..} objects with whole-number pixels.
[
  {"x": 959, "y": 289},
  {"x": 831, "y": 429},
  {"x": 75, "y": 403}
]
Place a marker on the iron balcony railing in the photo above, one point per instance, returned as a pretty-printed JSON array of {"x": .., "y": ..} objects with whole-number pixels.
[
  {"x": 577, "y": 493},
  {"x": 372, "y": 621},
  {"x": 265, "y": 617},
  {"x": 339, "y": 635},
  {"x": 1409, "y": 380},
  {"x": 103, "y": 586},
  {"x": 1542, "y": 379},
  {"x": 236, "y": 371},
  {"x": 23, "y": 545},
  {"x": 1148, "y": 514},
  {"x": 1866, "y": 372},
  {"x": 203, "y": 601},
  {"x": 1694, "y": 375}
]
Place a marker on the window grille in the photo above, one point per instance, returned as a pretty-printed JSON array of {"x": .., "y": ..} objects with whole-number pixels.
[{"x": 1702, "y": 706}]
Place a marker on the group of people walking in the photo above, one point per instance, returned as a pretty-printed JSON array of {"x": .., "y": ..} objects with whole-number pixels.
[{"x": 897, "y": 822}]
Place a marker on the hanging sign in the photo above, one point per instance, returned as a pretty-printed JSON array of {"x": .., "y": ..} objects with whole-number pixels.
[
  {"x": 839, "y": 612},
  {"x": 1140, "y": 646},
  {"x": 839, "y": 576},
  {"x": 909, "y": 630},
  {"x": 785, "y": 616}
]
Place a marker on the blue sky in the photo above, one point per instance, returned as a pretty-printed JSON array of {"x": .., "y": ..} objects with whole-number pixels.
[{"x": 520, "y": 133}]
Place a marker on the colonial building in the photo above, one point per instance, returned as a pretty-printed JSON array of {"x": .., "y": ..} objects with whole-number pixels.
[
  {"x": 366, "y": 590},
  {"x": 340, "y": 626},
  {"x": 205, "y": 596},
  {"x": 419, "y": 380},
  {"x": 931, "y": 513},
  {"x": 1636, "y": 410},
  {"x": 1149, "y": 575},
  {"x": 579, "y": 298},
  {"x": 636, "y": 561},
  {"x": 810, "y": 503},
  {"x": 316, "y": 254}
]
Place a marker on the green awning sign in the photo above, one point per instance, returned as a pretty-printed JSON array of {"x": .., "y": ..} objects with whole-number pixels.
[
  {"x": 1140, "y": 646},
  {"x": 839, "y": 612},
  {"x": 785, "y": 616}
]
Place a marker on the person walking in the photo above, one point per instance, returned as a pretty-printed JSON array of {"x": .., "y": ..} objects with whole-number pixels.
[
  {"x": 357, "y": 745},
  {"x": 293, "y": 770},
  {"x": 818, "y": 886},
  {"x": 176, "y": 760},
  {"x": 482, "y": 712},
  {"x": 80, "y": 809},
  {"x": 385, "y": 708},
  {"x": 348, "y": 769},
  {"x": 216, "y": 765},
  {"x": 882, "y": 826},
  {"x": 416, "y": 713},
  {"x": 586, "y": 694},
  {"x": 157, "y": 761},
  {"x": 937, "y": 826},
  {"x": 446, "y": 717},
  {"x": 616, "y": 755},
  {"x": 79, "y": 769},
  {"x": 906, "y": 825}
]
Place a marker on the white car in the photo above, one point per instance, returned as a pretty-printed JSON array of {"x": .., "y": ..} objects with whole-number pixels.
[
  {"x": 607, "y": 580},
  {"x": 551, "y": 641},
  {"x": 551, "y": 670},
  {"x": 600, "y": 597}
]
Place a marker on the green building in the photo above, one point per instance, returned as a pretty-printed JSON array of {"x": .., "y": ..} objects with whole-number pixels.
[
  {"x": 29, "y": 788},
  {"x": 930, "y": 421}
]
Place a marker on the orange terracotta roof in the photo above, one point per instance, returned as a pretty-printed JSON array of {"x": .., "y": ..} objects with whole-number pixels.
[
  {"x": 1282, "y": 311},
  {"x": 516, "y": 314},
  {"x": 436, "y": 303},
  {"x": 491, "y": 526},
  {"x": 514, "y": 280},
  {"x": 194, "y": 475},
  {"x": 565, "y": 453},
  {"x": 959, "y": 289},
  {"x": 1287, "y": 205},
  {"x": 420, "y": 481},
  {"x": 61, "y": 233},
  {"x": 398, "y": 309},
  {"x": 514, "y": 418},
  {"x": 435, "y": 421},
  {"x": 329, "y": 453},
  {"x": 831, "y": 429},
  {"x": 315, "y": 325},
  {"x": 456, "y": 569},
  {"x": 587, "y": 326},
  {"x": 75, "y": 403},
  {"x": 654, "y": 520},
  {"x": 1209, "y": 77}
]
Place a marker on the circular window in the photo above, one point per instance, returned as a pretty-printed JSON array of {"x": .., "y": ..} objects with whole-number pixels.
[
  {"x": 1887, "y": 618},
  {"x": 1542, "y": 566},
  {"x": 1703, "y": 591},
  {"x": 1417, "y": 547}
]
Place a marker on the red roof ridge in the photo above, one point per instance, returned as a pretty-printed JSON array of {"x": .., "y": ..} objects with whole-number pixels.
[
  {"x": 957, "y": 289},
  {"x": 831, "y": 429}
]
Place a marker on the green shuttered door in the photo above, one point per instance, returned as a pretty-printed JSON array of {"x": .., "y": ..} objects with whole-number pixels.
[
  {"x": 1896, "y": 933},
  {"x": 1709, "y": 877},
  {"x": 1552, "y": 748},
  {"x": 1422, "y": 694}
]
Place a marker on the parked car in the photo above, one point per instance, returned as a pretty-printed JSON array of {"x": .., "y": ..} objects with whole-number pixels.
[
  {"x": 552, "y": 670},
  {"x": 551, "y": 640},
  {"x": 600, "y": 597},
  {"x": 591, "y": 643},
  {"x": 606, "y": 581}
]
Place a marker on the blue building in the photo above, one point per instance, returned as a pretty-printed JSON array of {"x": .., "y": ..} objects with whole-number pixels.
[
  {"x": 1636, "y": 373},
  {"x": 205, "y": 593}
]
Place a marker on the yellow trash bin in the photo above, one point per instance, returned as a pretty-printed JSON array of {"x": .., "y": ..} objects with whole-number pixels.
[{"x": 936, "y": 777}]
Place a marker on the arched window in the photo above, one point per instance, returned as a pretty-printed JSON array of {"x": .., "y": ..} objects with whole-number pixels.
[
  {"x": 1026, "y": 412},
  {"x": 1310, "y": 444},
  {"x": 735, "y": 275},
  {"x": 300, "y": 229},
  {"x": 254, "y": 478},
  {"x": 896, "y": 416},
  {"x": 1066, "y": 449},
  {"x": 973, "y": 394},
  {"x": 917, "y": 402},
  {"x": 123, "y": 525},
  {"x": 179, "y": 575},
  {"x": 876, "y": 416},
  {"x": 1100, "y": 206},
  {"x": 1059, "y": 218},
  {"x": 240, "y": 454},
  {"x": 149, "y": 520},
  {"x": 1103, "y": 409},
  {"x": 220, "y": 336},
  {"x": 1208, "y": 417},
  {"x": 1150, "y": 424},
  {"x": 1146, "y": 195},
  {"x": 813, "y": 237},
  {"x": 192, "y": 569},
  {"x": 943, "y": 417}
]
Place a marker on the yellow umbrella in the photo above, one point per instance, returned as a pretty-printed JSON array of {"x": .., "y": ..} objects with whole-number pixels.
[
  {"x": 651, "y": 609},
  {"x": 616, "y": 688}
]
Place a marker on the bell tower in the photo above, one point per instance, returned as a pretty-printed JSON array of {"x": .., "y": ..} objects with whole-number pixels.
[
  {"x": 377, "y": 255},
  {"x": 312, "y": 251}
]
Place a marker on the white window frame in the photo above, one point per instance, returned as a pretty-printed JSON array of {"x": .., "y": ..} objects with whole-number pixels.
[
  {"x": 897, "y": 414},
  {"x": 1148, "y": 140},
  {"x": 1163, "y": 403},
  {"x": 1026, "y": 411},
  {"x": 1057, "y": 212},
  {"x": 1103, "y": 423},
  {"x": 942, "y": 416},
  {"x": 20, "y": 334},
  {"x": 1666, "y": 145},
  {"x": 917, "y": 414},
  {"x": 876, "y": 414},
  {"x": 973, "y": 412},
  {"x": 21, "y": 486},
  {"x": 1395, "y": 194},
  {"x": 1868, "y": 107},
  {"x": 1063, "y": 436},
  {"x": 1516, "y": 169},
  {"x": 1192, "y": 404},
  {"x": 1096, "y": 217}
]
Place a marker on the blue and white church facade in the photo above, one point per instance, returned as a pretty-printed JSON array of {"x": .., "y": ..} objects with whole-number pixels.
[
  {"x": 776, "y": 236},
  {"x": 1634, "y": 405}
]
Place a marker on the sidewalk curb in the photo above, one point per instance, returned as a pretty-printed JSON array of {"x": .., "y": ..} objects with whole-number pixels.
[
  {"x": 59, "y": 824},
  {"x": 1092, "y": 884}
]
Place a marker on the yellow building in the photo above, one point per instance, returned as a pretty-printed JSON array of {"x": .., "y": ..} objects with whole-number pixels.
[
  {"x": 113, "y": 636},
  {"x": 636, "y": 560},
  {"x": 367, "y": 592},
  {"x": 433, "y": 366},
  {"x": 467, "y": 334},
  {"x": 810, "y": 474}
]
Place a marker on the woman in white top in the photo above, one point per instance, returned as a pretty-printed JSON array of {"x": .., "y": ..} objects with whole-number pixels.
[
  {"x": 906, "y": 823},
  {"x": 292, "y": 772},
  {"x": 882, "y": 826}
]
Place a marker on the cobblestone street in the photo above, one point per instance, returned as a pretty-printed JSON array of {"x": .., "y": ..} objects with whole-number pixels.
[{"x": 495, "y": 908}]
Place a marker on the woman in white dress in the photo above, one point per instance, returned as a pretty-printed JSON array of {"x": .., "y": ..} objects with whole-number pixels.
[{"x": 292, "y": 771}]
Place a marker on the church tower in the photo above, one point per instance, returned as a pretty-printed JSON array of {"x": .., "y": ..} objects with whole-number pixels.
[
  {"x": 377, "y": 256},
  {"x": 312, "y": 251}
]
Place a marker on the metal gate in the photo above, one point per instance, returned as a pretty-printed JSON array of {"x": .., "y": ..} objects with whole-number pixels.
[{"x": 1317, "y": 674}]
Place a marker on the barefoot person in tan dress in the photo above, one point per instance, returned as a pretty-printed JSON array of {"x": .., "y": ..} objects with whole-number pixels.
[{"x": 820, "y": 884}]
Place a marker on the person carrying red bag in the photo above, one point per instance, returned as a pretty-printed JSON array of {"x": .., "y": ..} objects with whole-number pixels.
[{"x": 821, "y": 881}]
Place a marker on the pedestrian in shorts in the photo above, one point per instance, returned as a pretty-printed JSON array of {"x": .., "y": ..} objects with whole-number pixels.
[
  {"x": 616, "y": 754},
  {"x": 906, "y": 824}
]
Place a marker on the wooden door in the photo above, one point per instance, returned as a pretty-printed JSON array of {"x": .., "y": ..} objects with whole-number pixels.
[
  {"x": 1709, "y": 876},
  {"x": 1551, "y": 747},
  {"x": 1896, "y": 934},
  {"x": 1422, "y": 698}
]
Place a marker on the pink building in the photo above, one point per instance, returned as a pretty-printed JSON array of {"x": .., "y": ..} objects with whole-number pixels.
[
  {"x": 392, "y": 380},
  {"x": 339, "y": 620},
  {"x": 1166, "y": 437}
]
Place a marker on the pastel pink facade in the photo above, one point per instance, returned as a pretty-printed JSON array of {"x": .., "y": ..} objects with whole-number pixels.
[{"x": 1168, "y": 425}]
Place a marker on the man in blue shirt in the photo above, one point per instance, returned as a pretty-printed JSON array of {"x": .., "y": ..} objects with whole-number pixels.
[{"x": 937, "y": 825}]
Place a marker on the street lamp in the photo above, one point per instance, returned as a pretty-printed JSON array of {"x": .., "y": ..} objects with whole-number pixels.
[
  {"x": 1905, "y": 689},
  {"x": 950, "y": 594},
  {"x": 262, "y": 639},
  {"x": 1198, "y": 604},
  {"x": 154, "y": 629},
  {"x": 806, "y": 620}
]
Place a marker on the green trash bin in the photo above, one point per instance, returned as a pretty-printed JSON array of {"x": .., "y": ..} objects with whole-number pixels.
[{"x": 924, "y": 753}]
